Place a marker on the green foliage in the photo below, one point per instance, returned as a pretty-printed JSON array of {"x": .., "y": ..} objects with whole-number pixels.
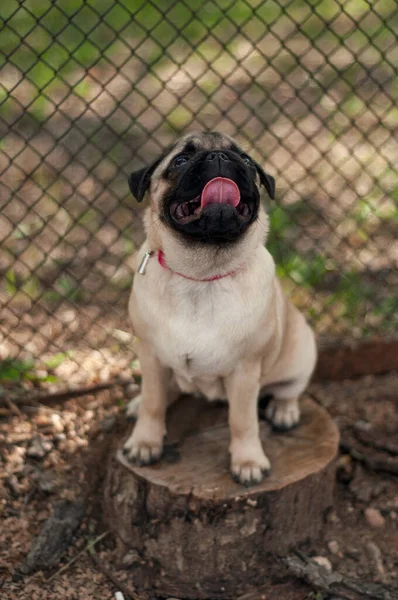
[
  {"x": 14, "y": 371},
  {"x": 57, "y": 360},
  {"x": 30, "y": 286},
  {"x": 10, "y": 282},
  {"x": 17, "y": 371},
  {"x": 351, "y": 298},
  {"x": 304, "y": 271},
  {"x": 67, "y": 287},
  {"x": 136, "y": 367},
  {"x": 73, "y": 32}
]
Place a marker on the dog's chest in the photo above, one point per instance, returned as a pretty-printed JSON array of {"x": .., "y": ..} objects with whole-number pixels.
[{"x": 202, "y": 331}]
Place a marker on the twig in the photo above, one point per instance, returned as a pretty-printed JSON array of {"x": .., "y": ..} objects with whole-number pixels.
[
  {"x": 126, "y": 590},
  {"x": 66, "y": 394},
  {"x": 334, "y": 583},
  {"x": 87, "y": 548},
  {"x": 380, "y": 441},
  {"x": 13, "y": 407},
  {"x": 377, "y": 461}
]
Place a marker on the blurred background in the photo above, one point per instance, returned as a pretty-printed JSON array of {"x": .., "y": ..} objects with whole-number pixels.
[{"x": 91, "y": 90}]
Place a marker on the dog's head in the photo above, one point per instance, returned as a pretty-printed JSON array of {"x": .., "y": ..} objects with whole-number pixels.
[{"x": 205, "y": 188}]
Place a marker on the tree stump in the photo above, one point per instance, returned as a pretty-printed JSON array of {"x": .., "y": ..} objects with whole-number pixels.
[{"x": 185, "y": 529}]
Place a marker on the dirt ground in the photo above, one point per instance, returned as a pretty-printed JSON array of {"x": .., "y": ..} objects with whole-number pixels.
[{"x": 46, "y": 448}]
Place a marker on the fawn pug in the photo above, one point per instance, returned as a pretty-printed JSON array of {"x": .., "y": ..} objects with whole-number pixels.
[{"x": 208, "y": 311}]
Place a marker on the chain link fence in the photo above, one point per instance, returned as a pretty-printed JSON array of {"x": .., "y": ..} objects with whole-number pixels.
[{"x": 92, "y": 89}]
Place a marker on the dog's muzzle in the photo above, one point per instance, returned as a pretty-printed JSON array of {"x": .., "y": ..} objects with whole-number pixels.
[{"x": 222, "y": 199}]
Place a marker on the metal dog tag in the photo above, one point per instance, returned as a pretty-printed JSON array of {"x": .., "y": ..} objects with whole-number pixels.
[{"x": 144, "y": 262}]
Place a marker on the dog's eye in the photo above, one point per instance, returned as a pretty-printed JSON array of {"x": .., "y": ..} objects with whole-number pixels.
[
  {"x": 247, "y": 159},
  {"x": 180, "y": 161}
]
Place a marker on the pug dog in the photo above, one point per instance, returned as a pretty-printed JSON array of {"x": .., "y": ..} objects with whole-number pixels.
[{"x": 208, "y": 311}]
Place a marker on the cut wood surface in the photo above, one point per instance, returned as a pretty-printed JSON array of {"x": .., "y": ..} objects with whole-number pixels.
[{"x": 195, "y": 533}]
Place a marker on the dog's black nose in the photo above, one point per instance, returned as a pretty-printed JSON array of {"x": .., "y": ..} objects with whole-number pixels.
[{"x": 214, "y": 155}]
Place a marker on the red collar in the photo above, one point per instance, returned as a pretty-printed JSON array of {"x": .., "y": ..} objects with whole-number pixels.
[{"x": 162, "y": 262}]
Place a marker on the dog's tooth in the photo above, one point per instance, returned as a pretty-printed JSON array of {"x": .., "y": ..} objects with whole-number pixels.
[{"x": 180, "y": 211}]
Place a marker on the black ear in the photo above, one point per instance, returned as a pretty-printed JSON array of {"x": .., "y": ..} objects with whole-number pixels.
[
  {"x": 267, "y": 181},
  {"x": 139, "y": 181}
]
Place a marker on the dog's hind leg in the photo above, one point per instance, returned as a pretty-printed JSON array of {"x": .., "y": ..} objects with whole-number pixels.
[
  {"x": 289, "y": 377},
  {"x": 133, "y": 408},
  {"x": 283, "y": 409}
]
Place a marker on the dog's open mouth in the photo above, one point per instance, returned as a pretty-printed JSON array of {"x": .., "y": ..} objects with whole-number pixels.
[{"x": 219, "y": 190}]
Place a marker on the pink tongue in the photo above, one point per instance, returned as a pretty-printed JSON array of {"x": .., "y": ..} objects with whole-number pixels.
[{"x": 220, "y": 190}]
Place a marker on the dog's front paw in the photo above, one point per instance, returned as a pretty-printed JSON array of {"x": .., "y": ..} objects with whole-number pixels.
[
  {"x": 145, "y": 444},
  {"x": 283, "y": 414},
  {"x": 249, "y": 465},
  {"x": 142, "y": 453}
]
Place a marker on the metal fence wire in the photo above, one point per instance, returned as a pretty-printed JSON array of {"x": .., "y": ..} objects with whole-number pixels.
[{"x": 92, "y": 89}]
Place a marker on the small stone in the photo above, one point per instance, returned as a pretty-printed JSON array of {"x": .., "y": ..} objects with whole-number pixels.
[
  {"x": 107, "y": 424},
  {"x": 41, "y": 420},
  {"x": 251, "y": 502},
  {"x": 332, "y": 517},
  {"x": 353, "y": 553},
  {"x": 366, "y": 487},
  {"x": 322, "y": 561},
  {"x": 375, "y": 554},
  {"x": 374, "y": 517},
  {"x": 68, "y": 316},
  {"x": 45, "y": 485},
  {"x": 363, "y": 425},
  {"x": 69, "y": 446},
  {"x": 13, "y": 485},
  {"x": 131, "y": 558},
  {"x": 334, "y": 547},
  {"x": 57, "y": 423},
  {"x": 41, "y": 374},
  {"x": 132, "y": 390},
  {"x": 344, "y": 468},
  {"x": 38, "y": 447},
  {"x": 123, "y": 336},
  {"x": 88, "y": 415}
]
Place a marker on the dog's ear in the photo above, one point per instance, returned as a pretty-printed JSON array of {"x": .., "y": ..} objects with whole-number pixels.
[
  {"x": 266, "y": 180},
  {"x": 139, "y": 181}
]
